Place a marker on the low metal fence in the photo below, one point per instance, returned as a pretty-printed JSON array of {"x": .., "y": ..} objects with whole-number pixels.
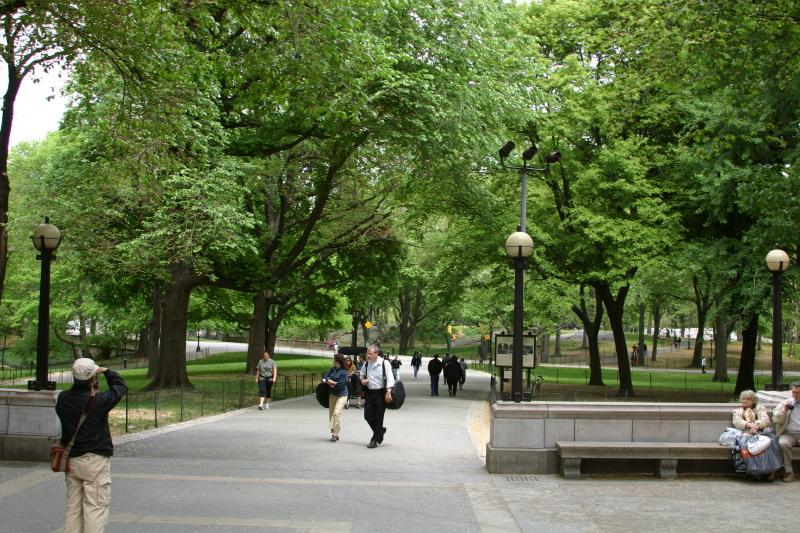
[{"x": 141, "y": 410}]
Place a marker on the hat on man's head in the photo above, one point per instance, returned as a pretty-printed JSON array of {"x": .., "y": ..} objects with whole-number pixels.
[{"x": 83, "y": 369}]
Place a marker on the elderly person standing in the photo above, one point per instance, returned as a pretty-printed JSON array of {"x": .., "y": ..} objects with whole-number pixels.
[{"x": 787, "y": 426}]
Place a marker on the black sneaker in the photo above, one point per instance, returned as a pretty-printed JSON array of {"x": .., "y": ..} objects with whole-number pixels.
[{"x": 372, "y": 444}]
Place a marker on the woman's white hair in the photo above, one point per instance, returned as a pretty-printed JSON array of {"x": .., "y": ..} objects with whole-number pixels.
[{"x": 749, "y": 395}]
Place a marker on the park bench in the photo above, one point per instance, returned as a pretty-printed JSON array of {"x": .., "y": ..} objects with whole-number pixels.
[{"x": 664, "y": 455}]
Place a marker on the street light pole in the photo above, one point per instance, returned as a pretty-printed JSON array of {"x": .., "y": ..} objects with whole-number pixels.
[
  {"x": 46, "y": 238},
  {"x": 519, "y": 246},
  {"x": 777, "y": 263}
]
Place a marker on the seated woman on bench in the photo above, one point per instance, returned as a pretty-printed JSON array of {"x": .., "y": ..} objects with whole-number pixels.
[{"x": 750, "y": 417}]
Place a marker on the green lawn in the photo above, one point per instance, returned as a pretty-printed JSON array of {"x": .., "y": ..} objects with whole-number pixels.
[{"x": 643, "y": 379}]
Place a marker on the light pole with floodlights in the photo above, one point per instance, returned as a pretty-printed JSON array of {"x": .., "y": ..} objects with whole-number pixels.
[
  {"x": 777, "y": 263},
  {"x": 519, "y": 246},
  {"x": 46, "y": 238}
]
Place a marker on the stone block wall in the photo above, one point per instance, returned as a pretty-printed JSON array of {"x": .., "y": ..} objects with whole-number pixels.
[{"x": 28, "y": 424}]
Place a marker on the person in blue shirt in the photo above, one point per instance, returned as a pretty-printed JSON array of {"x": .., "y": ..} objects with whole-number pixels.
[{"x": 336, "y": 378}]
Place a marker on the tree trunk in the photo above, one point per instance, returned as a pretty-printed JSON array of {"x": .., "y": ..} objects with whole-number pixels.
[
  {"x": 591, "y": 329},
  {"x": 545, "y": 358},
  {"x": 150, "y": 346},
  {"x": 171, "y": 366},
  {"x": 721, "y": 346},
  {"x": 354, "y": 321},
  {"x": 557, "y": 347},
  {"x": 793, "y": 327},
  {"x": 747, "y": 362},
  {"x": 615, "y": 308},
  {"x": 256, "y": 337},
  {"x": 641, "y": 330},
  {"x": 656, "y": 329},
  {"x": 9, "y": 98},
  {"x": 697, "y": 355},
  {"x": 702, "y": 303}
]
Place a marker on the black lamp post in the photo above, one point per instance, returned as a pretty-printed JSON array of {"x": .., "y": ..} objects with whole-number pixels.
[
  {"x": 198, "y": 341},
  {"x": 519, "y": 246},
  {"x": 777, "y": 263},
  {"x": 46, "y": 238}
]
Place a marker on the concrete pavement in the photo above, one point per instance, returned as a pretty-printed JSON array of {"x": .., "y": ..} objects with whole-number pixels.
[{"x": 275, "y": 470}]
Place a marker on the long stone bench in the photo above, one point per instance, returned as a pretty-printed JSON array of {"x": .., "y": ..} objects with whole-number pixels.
[
  {"x": 664, "y": 455},
  {"x": 523, "y": 436}
]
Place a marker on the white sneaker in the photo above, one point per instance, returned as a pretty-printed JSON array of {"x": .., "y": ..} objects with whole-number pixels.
[
  {"x": 260, "y": 407},
  {"x": 267, "y": 406}
]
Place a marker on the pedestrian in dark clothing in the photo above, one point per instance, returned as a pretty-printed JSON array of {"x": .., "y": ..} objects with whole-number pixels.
[
  {"x": 416, "y": 362},
  {"x": 452, "y": 374},
  {"x": 463, "y": 373},
  {"x": 89, "y": 476},
  {"x": 378, "y": 382},
  {"x": 396, "y": 363},
  {"x": 434, "y": 369}
]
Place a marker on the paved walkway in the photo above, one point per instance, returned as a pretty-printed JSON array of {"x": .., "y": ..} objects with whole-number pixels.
[{"x": 275, "y": 470}]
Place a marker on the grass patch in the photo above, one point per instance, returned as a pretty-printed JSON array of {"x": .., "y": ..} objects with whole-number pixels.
[{"x": 674, "y": 386}]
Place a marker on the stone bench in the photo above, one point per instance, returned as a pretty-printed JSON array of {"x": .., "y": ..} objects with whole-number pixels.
[{"x": 664, "y": 455}]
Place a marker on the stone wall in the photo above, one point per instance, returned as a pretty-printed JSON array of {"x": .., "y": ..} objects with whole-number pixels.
[
  {"x": 28, "y": 424},
  {"x": 523, "y": 435}
]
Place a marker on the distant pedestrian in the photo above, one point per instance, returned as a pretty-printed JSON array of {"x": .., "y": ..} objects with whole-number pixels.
[
  {"x": 89, "y": 476},
  {"x": 434, "y": 369},
  {"x": 416, "y": 362},
  {"x": 353, "y": 383},
  {"x": 266, "y": 374},
  {"x": 675, "y": 342},
  {"x": 379, "y": 383},
  {"x": 703, "y": 364},
  {"x": 634, "y": 354},
  {"x": 463, "y": 373},
  {"x": 336, "y": 378},
  {"x": 396, "y": 363},
  {"x": 452, "y": 374}
]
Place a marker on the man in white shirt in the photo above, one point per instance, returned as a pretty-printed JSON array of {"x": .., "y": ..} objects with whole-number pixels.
[
  {"x": 786, "y": 418},
  {"x": 378, "y": 382}
]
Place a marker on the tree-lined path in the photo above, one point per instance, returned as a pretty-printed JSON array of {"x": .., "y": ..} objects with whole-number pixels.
[{"x": 275, "y": 470}]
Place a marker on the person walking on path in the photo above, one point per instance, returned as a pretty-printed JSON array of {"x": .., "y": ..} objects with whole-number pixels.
[
  {"x": 416, "y": 362},
  {"x": 434, "y": 369},
  {"x": 353, "y": 383},
  {"x": 336, "y": 378},
  {"x": 266, "y": 374},
  {"x": 396, "y": 363},
  {"x": 89, "y": 467},
  {"x": 379, "y": 383},
  {"x": 786, "y": 418},
  {"x": 703, "y": 364},
  {"x": 452, "y": 374},
  {"x": 463, "y": 373}
]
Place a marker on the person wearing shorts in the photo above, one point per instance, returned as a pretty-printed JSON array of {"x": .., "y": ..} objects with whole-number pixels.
[{"x": 266, "y": 373}]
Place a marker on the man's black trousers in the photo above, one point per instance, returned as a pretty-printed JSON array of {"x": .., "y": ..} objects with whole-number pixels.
[{"x": 374, "y": 409}]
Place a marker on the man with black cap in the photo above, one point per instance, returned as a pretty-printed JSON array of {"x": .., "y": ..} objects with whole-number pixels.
[
  {"x": 378, "y": 382},
  {"x": 89, "y": 468}
]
